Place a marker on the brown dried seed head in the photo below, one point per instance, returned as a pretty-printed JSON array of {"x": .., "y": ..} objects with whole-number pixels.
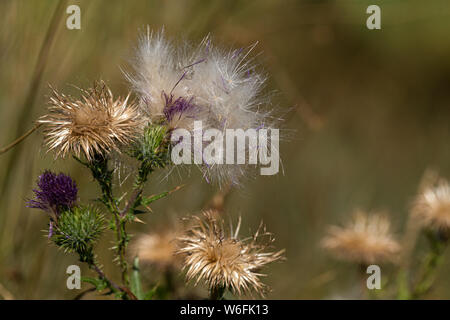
[
  {"x": 94, "y": 124},
  {"x": 432, "y": 206},
  {"x": 157, "y": 248},
  {"x": 365, "y": 240},
  {"x": 224, "y": 260}
]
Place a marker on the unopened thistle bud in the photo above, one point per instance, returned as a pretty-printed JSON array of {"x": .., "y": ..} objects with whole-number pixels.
[
  {"x": 152, "y": 149},
  {"x": 77, "y": 230}
]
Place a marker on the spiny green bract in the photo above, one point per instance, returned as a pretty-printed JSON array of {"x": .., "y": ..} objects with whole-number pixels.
[
  {"x": 152, "y": 149},
  {"x": 78, "y": 229}
]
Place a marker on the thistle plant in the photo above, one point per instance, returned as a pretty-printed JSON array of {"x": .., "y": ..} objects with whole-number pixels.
[
  {"x": 156, "y": 250},
  {"x": 224, "y": 261},
  {"x": 365, "y": 240},
  {"x": 368, "y": 240},
  {"x": 431, "y": 210},
  {"x": 177, "y": 85},
  {"x": 72, "y": 227},
  {"x": 91, "y": 128},
  {"x": 173, "y": 88}
]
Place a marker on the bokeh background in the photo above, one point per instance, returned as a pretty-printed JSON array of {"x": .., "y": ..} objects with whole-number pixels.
[{"x": 367, "y": 113}]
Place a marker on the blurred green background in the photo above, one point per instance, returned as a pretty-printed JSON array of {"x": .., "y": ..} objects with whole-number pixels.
[{"x": 367, "y": 112}]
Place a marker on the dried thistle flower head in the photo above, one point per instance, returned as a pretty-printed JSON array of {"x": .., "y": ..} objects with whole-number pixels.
[
  {"x": 94, "y": 124},
  {"x": 157, "y": 248},
  {"x": 365, "y": 240},
  {"x": 432, "y": 206},
  {"x": 223, "y": 260}
]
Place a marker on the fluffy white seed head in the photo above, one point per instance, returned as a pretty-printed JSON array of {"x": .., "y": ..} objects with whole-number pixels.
[{"x": 184, "y": 83}]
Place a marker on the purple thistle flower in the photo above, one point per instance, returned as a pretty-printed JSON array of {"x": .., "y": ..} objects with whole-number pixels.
[
  {"x": 179, "y": 107},
  {"x": 55, "y": 192}
]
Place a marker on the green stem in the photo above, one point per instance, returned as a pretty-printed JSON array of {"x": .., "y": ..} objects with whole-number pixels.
[
  {"x": 403, "y": 291},
  {"x": 430, "y": 266},
  {"x": 89, "y": 258},
  {"x": 120, "y": 216},
  {"x": 101, "y": 173},
  {"x": 124, "y": 292},
  {"x": 136, "y": 286},
  {"x": 122, "y": 238},
  {"x": 136, "y": 197},
  {"x": 112, "y": 286}
]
